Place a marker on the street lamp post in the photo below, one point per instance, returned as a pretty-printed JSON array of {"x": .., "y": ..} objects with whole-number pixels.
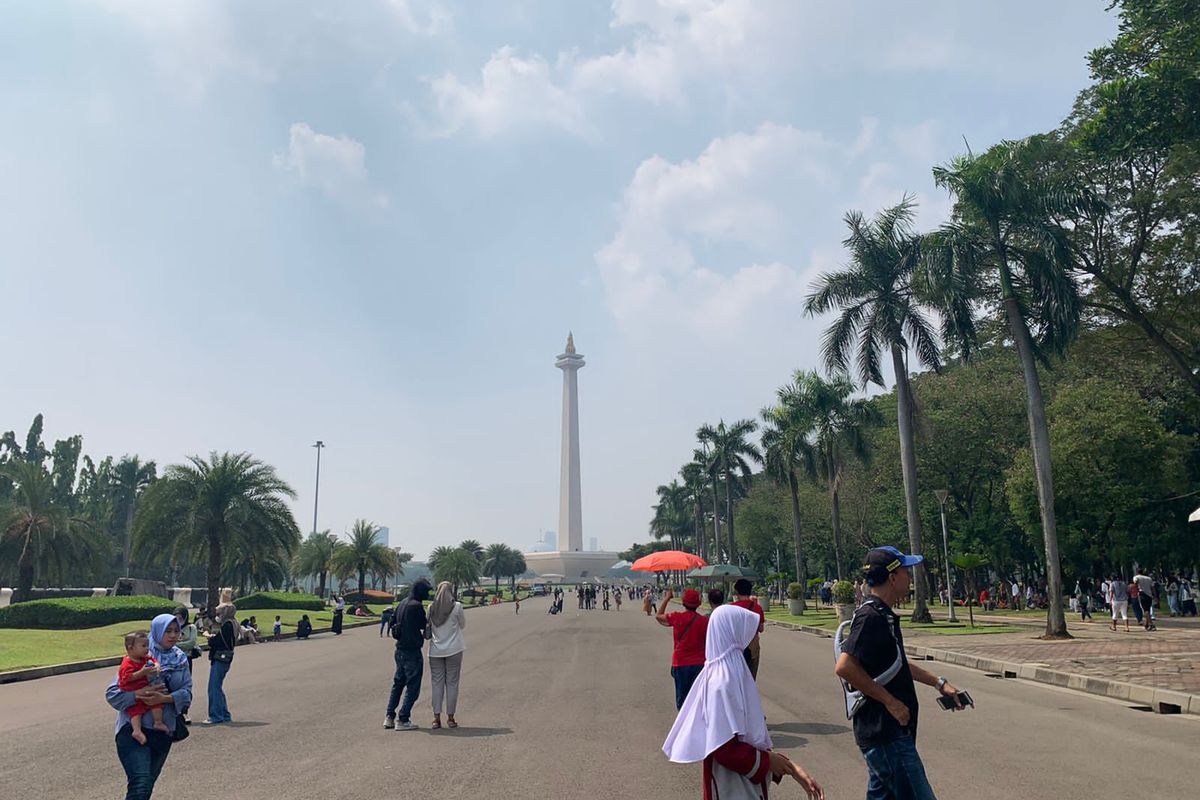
[
  {"x": 317, "y": 493},
  {"x": 941, "y": 495}
]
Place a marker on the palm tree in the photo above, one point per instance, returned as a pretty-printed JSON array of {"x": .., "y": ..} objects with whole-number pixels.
[
  {"x": 840, "y": 431},
  {"x": 315, "y": 557},
  {"x": 436, "y": 555},
  {"x": 364, "y": 553},
  {"x": 732, "y": 452},
  {"x": 35, "y": 532},
  {"x": 672, "y": 514},
  {"x": 129, "y": 479},
  {"x": 497, "y": 562},
  {"x": 1003, "y": 251},
  {"x": 458, "y": 566},
  {"x": 710, "y": 466},
  {"x": 201, "y": 509},
  {"x": 787, "y": 447},
  {"x": 880, "y": 311},
  {"x": 250, "y": 568},
  {"x": 693, "y": 479},
  {"x": 517, "y": 568},
  {"x": 969, "y": 563},
  {"x": 473, "y": 547}
]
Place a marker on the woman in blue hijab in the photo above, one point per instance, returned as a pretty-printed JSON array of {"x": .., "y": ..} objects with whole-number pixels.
[{"x": 172, "y": 689}]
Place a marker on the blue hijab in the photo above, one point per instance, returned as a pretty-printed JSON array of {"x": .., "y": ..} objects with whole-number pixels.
[{"x": 167, "y": 659}]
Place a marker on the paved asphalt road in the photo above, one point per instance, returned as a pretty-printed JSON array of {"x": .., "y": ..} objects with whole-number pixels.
[{"x": 574, "y": 706}]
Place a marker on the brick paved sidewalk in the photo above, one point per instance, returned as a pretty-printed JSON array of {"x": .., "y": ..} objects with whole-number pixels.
[{"x": 1168, "y": 658}]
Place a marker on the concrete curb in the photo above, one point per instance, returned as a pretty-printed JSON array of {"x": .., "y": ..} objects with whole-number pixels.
[{"x": 1161, "y": 701}]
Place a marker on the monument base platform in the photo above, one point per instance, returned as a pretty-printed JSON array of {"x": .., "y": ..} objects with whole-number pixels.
[{"x": 574, "y": 566}]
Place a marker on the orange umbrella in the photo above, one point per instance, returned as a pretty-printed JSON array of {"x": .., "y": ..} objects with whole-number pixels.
[{"x": 665, "y": 560}]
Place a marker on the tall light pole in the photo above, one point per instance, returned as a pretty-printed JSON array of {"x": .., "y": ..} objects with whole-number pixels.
[
  {"x": 317, "y": 493},
  {"x": 941, "y": 495}
]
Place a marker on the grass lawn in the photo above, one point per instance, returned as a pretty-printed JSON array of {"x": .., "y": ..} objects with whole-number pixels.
[
  {"x": 826, "y": 619},
  {"x": 21, "y": 648}
]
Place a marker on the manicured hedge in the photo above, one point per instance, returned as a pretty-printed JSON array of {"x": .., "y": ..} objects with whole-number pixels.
[
  {"x": 84, "y": 612},
  {"x": 286, "y": 600},
  {"x": 369, "y": 596}
]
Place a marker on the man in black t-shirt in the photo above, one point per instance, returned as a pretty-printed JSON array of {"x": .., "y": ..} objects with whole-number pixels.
[
  {"x": 408, "y": 629},
  {"x": 885, "y": 726}
]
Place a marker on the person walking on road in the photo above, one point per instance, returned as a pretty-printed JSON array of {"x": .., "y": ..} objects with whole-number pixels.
[
  {"x": 743, "y": 598},
  {"x": 1083, "y": 599},
  {"x": 221, "y": 643},
  {"x": 447, "y": 621},
  {"x": 688, "y": 628},
  {"x": 722, "y": 724},
  {"x": 409, "y": 627},
  {"x": 1145, "y": 589},
  {"x": 385, "y": 621},
  {"x": 1119, "y": 600},
  {"x": 172, "y": 690},
  {"x": 885, "y": 725},
  {"x": 339, "y": 612}
]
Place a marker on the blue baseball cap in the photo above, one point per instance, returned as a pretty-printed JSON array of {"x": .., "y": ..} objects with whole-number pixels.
[{"x": 883, "y": 561}]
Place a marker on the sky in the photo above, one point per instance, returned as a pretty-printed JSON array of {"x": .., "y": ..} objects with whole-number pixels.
[{"x": 246, "y": 227}]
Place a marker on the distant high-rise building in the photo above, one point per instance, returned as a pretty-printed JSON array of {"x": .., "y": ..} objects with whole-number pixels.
[
  {"x": 383, "y": 536},
  {"x": 593, "y": 544}
]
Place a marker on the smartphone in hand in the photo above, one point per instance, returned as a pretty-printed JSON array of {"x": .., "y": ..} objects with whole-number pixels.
[{"x": 947, "y": 703}]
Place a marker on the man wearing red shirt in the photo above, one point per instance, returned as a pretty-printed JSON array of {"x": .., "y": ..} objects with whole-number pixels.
[
  {"x": 742, "y": 589},
  {"x": 689, "y": 628}
]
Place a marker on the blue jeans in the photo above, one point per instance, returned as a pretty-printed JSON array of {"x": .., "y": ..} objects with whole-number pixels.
[
  {"x": 409, "y": 669},
  {"x": 142, "y": 763},
  {"x": 684, "y": 678},
  {"x": 218, "y": 708},
  {"x": 895, "y": 771}
]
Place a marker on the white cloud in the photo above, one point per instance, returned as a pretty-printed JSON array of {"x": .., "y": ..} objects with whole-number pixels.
[
  {"x": 336, "y": 165},
  {"x": 514, "y": 93},
  {"x": 421, "y": 18}
]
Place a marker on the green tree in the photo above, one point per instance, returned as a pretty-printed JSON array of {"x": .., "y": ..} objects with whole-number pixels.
[
  {"x": 693, "y": 474},
  {"x": 315, "y": 557},
  {"x": 970, "y": 564},
  {"x": 436, "y": 555},
  {"x": 1003, "y": 250},
  {"x": 498, "y": 562},
  {"x": 840, "y": 433},
  {"x": 880, "y": 311},
  {"x": 458, "y": 566},
  {"x": 473, "y": 547},
  {"x": 733, "y": 452},
  {"x": 672, "y": 514},
  {"x": 363, "y": 553},
  {"x": 787, "y": 448},
  {"x": 38, "y": 534},
  {"x": 204, "y": 508},
  {"x": 129, "y": 479}
]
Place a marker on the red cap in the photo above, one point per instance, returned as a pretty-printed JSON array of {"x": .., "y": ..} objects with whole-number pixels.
[{"x": 691, "y": 599}]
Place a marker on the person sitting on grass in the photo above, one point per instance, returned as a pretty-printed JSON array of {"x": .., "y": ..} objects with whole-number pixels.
[{"x": 137, "y": 668}]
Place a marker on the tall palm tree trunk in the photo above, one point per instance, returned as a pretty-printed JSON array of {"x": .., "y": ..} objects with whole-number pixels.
[
  {"x": 716, "y": 520},
  {"x": 908, "y": 464},
  {"x": 362, "y": 579},
  {"x": 729, "y": 518},
  {"x": 1039, "y": 442},
  {"x": 698, "y": 528},
  {"x": 321, "y": 585},
  {"x": 835, "y": 508},
  {"x": 128, "y": 533},
  {"x": 801, "y": 577},
  {"x": 24, "y": 575}
]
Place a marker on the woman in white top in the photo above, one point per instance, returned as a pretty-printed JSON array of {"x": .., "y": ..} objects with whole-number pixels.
[{"x": 446, "y": 622}]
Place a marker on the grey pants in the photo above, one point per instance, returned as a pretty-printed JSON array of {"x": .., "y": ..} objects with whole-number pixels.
[{"x": 445, "y": 673}]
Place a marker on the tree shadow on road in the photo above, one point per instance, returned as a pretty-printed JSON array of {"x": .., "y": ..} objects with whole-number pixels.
[
  {"x": 811, "y": 728},
  {"x": 245, "y": 724},
  {"x": 787, "y": 742},
  {"x": 472, "y": 732}
]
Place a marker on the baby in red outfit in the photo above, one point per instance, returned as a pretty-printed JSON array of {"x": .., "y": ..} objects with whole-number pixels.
[{"x": 137, "y": 668}]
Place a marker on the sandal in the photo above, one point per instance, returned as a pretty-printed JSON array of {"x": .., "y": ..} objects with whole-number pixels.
[
  {"x": 437, "y": 723},
  {"x": 451, "y": 723}
]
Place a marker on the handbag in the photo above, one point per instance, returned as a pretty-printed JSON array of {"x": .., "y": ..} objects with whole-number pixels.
[{"x": 181, "y": 730}]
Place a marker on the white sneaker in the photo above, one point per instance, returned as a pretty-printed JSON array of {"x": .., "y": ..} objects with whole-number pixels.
[
  {"x": 406, "y": 726},
  {"x": 389, "y": 722}
]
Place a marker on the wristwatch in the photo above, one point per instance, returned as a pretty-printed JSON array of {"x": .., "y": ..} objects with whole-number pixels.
[{"x": 940, "y": 682}]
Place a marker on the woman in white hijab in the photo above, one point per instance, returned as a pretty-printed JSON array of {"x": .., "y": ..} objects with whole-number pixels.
[
  {"x": 447, "y": 623},
  {"x": 721, "y": 722}
]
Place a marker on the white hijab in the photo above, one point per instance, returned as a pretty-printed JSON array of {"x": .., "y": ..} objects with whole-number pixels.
[{"x": 724, "y": 700}]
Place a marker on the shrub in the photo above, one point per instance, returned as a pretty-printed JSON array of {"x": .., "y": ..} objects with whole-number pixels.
[
  {"x": 843, "y": 593},
  {"x": 286, "y": 600},
  {"x": 795, "y": 591},
  {"x": 84, "y": 612},
  {"x": 814, "y": 584},
  {"x": 369, "y": 596}
]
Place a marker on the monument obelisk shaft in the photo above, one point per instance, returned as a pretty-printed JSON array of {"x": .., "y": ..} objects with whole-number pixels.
[{"x": 570, "y": 512}]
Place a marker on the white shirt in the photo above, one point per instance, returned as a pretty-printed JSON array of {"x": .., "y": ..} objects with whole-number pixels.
[
  {"x": 1144, "y": 583},
  {"x": 448, "y": 637}
]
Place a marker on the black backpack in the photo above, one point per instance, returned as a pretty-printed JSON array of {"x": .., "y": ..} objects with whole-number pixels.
[{"x": 397, "y": 616}]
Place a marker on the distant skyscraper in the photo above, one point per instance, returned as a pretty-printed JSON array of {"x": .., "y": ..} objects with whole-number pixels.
[
  {"x": 550, "y": 538},
  {"x": 593, "y": 544},
  {"x": 383, "y": 536}
]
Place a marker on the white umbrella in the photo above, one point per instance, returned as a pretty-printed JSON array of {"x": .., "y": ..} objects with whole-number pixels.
[{"x": 1195, "y": 517}]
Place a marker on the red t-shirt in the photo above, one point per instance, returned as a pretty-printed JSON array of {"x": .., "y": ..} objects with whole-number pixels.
[
  {"x": 752, "y": 605},
  {"x": 689, "y": 629}
]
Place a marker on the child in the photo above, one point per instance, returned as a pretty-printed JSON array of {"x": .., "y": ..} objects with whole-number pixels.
[
  {"x": 721, "y": 722},
  {"x": 278, "y": 628},
  {"x": 517, "y": 601},
  {"x": 137, "y": 668}
]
